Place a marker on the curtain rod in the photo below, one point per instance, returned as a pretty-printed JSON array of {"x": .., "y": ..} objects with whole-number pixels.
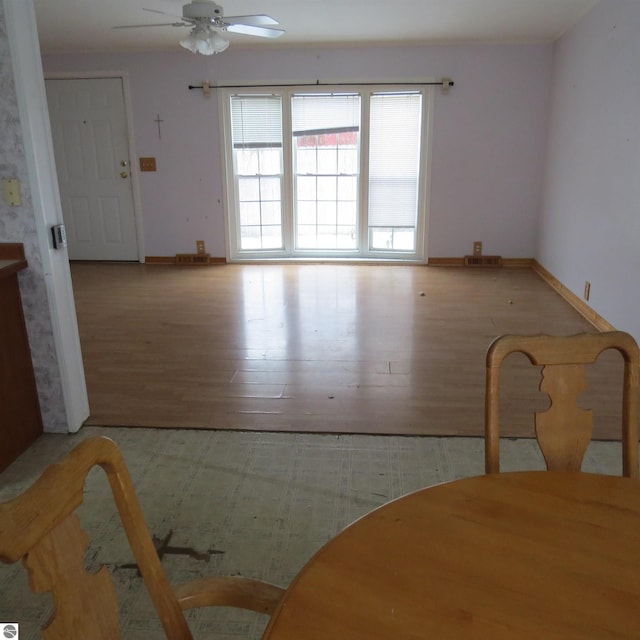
[{"x": 445, "y": 83}]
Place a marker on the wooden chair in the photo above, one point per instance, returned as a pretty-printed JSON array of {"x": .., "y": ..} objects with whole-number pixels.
[
  {"x": 564, "y": 430},
  {"x": 41, "y": 527}
]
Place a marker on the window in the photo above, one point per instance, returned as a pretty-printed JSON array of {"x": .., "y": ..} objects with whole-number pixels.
[
  {"x": 257, "y": 159},
  {"x": 394, "y": 170},
  {"x": 325, "y": 160},
  {"x": 326, "y": 174}
]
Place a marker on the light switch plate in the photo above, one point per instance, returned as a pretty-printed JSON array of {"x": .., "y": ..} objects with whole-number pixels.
[{"x": 11, "y": 192}]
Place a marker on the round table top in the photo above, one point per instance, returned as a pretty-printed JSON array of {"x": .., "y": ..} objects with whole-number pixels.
[{"x": 519, "y": 555}]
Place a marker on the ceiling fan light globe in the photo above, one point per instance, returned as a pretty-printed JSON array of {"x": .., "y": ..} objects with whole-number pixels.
[
  {"x": 204, "y": 48},
  {"x": 190, "y": 43},
  {"x": 218, "y": 43},
  {"x": 204, "y": 40}
]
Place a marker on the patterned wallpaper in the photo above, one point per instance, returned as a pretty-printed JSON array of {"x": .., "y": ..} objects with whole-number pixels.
[{"x": 18, "y": 224}]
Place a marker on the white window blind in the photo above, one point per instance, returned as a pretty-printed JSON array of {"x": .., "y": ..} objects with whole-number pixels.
[
  {"x": 316, "y": 114},
  {"x": 256, "y": 121},
  {"x": 394, "y": 159}
]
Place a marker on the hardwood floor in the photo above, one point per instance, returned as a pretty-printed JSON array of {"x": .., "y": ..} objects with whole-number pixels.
[{"x": 315, "y": 348}]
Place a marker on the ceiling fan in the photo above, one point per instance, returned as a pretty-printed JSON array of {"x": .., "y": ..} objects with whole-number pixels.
[{"x": 206, "y": 20}]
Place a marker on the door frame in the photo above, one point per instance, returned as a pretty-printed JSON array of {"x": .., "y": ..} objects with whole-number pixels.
[
  {"x": 38, "y": 144},
  {"x": 128, "y": 114}
]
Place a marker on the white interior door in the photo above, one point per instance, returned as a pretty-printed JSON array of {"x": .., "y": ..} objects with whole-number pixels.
[{"x": 90, "y": 138}]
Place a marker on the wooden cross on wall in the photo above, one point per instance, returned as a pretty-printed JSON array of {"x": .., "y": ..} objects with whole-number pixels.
[{"x": 158, "y": 121}]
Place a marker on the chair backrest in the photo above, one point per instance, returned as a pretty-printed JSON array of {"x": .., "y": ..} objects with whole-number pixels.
[
  {"x": 41, "y": 527},
  {"x": 564, "y": 430}
]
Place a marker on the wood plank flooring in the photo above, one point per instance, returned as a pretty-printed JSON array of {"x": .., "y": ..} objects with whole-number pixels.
[{"x": 314, "y": 347}]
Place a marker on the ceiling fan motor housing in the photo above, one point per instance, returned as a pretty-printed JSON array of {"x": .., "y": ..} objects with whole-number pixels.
[{"x": 202, "y": 9}]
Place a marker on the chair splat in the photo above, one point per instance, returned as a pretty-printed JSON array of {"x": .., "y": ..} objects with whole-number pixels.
[
  {"x": 83, "y": 601},
  {"x": 564, "y": 430}
]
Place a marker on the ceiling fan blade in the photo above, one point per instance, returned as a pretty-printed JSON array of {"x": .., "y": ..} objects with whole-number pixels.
[
  {"x": 260, "y": 20},
  {"x": 157, "y": 24},
  {"x": 262, "y": 32},
  {"x": 162, "y": 13}
]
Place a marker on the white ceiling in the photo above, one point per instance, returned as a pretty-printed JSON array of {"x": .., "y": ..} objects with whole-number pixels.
[{"x": 86, "y": 25}]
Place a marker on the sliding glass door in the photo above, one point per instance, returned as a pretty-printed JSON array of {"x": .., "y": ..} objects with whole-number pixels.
[{"x": 320, "y": 174}]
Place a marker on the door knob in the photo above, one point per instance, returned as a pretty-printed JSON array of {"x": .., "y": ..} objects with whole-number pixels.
[
  {"x": 123, "y": 163},
  {"x": 124, "y": 174}
]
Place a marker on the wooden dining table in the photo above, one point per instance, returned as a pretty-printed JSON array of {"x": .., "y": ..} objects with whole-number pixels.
[{"x": 535, "y": 554}]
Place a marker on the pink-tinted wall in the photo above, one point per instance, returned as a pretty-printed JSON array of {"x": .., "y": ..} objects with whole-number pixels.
[
  {"x": 590, "y": 219},
  {"x": 488, "y": 143}
]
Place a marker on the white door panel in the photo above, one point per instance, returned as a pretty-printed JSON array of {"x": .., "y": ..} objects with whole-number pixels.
[{"x": 88, "y": 122}]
